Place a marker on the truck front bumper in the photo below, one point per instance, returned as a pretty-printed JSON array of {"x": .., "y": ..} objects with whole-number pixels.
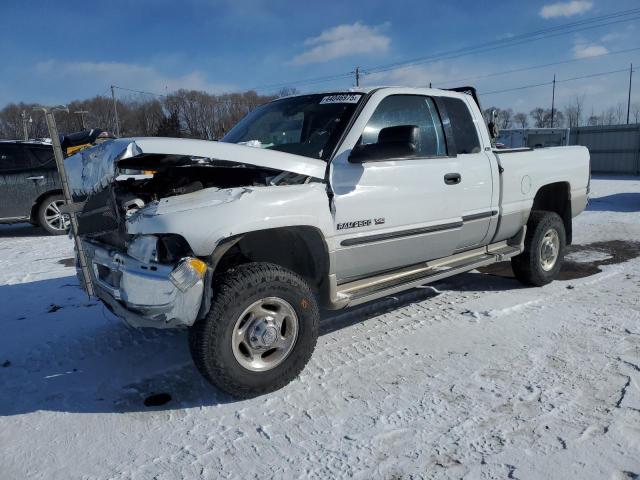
[{"x": 141, "y": 294}]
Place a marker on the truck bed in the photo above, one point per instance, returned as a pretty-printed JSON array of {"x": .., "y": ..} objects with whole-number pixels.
[{"x": 525, "y": 171}]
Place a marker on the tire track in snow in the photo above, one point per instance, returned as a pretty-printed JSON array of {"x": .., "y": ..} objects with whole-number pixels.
[{"x": 377, "y": 338}]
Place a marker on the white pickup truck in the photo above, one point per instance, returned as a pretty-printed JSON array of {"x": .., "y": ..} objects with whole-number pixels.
[{"x": 313, "y": 201}]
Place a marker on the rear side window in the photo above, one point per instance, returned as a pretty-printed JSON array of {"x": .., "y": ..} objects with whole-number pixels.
[
  {"x": 464, "y": 130},
  {"x": 42, "y": 155},
  {"x": 13, "y": 157},
  {"x": 418, "y": 110}
]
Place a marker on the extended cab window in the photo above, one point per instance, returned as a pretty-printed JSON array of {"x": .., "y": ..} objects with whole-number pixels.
[
  {"x": 409, "y": 110},
  {"x": 464, "y": 130}
]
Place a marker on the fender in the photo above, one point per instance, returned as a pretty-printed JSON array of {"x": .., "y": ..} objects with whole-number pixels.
[{"x": 207, "y": 217}]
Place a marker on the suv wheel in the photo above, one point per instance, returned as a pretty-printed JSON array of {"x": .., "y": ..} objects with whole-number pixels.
[
  {"x": 260, "y": 332},
  {"x": 544, "y": 246},
  {"x": 51, "y": 218}
]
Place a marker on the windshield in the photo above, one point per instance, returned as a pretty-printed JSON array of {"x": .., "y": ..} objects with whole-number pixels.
[{"x": 308, "y": 125}]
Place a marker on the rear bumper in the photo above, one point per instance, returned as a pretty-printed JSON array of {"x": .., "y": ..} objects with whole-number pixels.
[{"x": 139, "y": 293}]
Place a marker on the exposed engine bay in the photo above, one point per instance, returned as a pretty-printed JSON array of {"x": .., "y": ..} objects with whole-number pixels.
[
  {"x": 121, "y": 184},
  {"x": 174, "y": 175},
  {"x": 103, "y": 215}
]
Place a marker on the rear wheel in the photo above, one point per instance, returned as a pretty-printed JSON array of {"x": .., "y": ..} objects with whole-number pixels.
[
  {"x": 260, "y": 332},
  {"x": 51, "y": 218},
  {"x": 543, "y": 254}
]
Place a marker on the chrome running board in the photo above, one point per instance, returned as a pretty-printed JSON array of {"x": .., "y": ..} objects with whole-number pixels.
[{"x": 387, "y": 283}]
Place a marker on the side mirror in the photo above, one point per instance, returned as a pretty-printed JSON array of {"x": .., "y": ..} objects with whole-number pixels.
[{"x": 400, "y": 141}]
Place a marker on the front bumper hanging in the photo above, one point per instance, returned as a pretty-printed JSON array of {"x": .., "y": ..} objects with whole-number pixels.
[{"x": 142, "y": 294}]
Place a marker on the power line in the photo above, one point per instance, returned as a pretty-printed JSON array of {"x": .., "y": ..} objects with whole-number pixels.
[
  {"x": 308, "y": 81},
  {"x": 550, "y": 32},
  {"x": 216, "y": 102},
  {"x": 581, "y": 77},
  {"x": 537, "y": 67},
  {"x": 139, "y": 91},
  {"x": 484, "y": 48},
  {"x": 523, "y": 87}
]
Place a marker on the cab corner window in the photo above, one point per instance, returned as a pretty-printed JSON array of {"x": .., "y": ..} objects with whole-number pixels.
[
  {"x": 396, "y": 110},
  {"x": 464, "y": 130}
]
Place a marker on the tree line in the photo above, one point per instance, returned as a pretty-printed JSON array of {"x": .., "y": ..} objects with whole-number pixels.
[
  {"x": 184, "y": 113},
  {"x": 197, "y": 114},
  {"x": 572, "y": 115}
]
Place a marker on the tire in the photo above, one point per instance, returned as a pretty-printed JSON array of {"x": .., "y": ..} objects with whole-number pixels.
[
  {"x": 533, "y": 266},
  {"x": 52, "y": 225},
  {"x": 211, "y": 339}
]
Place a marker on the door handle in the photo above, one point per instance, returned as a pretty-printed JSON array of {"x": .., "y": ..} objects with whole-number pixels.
[
  {"x": 452, "y": 178},
  {"x": 36, "y": 178}
]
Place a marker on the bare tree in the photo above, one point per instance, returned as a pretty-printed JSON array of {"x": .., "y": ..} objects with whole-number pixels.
[
  {"x": 556, "y": 120},
  {"x": 543, "y": 118},
  {"x": 287, "y": 92},
  {"x": 571, "y": 114},
  {"x": 169, "y": 126},
  {"x": 594, "y": 120},
  {"x": 203, "y": 115},
  {"x": 574, "y": 110},
  {"x": 505, "y": 118},
  {"x": 538, "y": 115},
  {"x": 620, "y": 113},
  {"x": 608, "y": 116},
  {"x": 521, "y": 120},
  {"x": 635, "y": 112}
]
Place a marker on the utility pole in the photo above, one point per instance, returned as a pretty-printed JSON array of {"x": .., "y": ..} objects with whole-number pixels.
[
  {"x": 553, "y": 100},
  {"x": 82, "y": 113},
  {"x": 115, "y": 109},
  {"x": 25, "y": 125},
  {"x": 357, "y": 72},
  {"x": 629, "y": 99}
]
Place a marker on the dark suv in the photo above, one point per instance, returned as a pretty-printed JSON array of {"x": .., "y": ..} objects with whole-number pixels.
[{"x": 30, "y": 188}]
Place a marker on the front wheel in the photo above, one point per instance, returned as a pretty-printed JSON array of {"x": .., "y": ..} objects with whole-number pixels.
[
  {"x": 544, "y": 246},
  {"x": 260, "y": 332},
  {"x": 50, "y": 216}
]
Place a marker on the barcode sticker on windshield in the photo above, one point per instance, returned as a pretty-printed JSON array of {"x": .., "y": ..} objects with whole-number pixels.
[{"x": 344, "y": 98}]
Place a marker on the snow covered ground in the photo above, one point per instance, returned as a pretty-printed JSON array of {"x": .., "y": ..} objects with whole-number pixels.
[{"x": 473, "y": 377}]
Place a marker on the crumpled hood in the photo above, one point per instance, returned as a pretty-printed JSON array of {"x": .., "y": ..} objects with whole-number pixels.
[{"x": 92, "y": 169}]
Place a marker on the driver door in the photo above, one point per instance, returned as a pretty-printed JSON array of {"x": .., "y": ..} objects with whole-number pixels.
[{"x": 394, "y": 212}]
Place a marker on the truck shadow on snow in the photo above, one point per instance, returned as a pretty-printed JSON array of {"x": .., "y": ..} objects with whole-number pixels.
[
  {"x": 617, "y": 202},
  {"x": 63, "y": 352},
  {"x": 15, "y": 230},
  {"x": 581, "y": 260}
]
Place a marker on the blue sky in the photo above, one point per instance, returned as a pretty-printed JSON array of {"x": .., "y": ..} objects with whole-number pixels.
[{"x": 54, "y": 52}]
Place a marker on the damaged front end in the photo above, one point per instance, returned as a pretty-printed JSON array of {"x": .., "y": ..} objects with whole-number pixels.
[
  {"x": 146, "y": 293},
  {"x": 147, "y": 272}
]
